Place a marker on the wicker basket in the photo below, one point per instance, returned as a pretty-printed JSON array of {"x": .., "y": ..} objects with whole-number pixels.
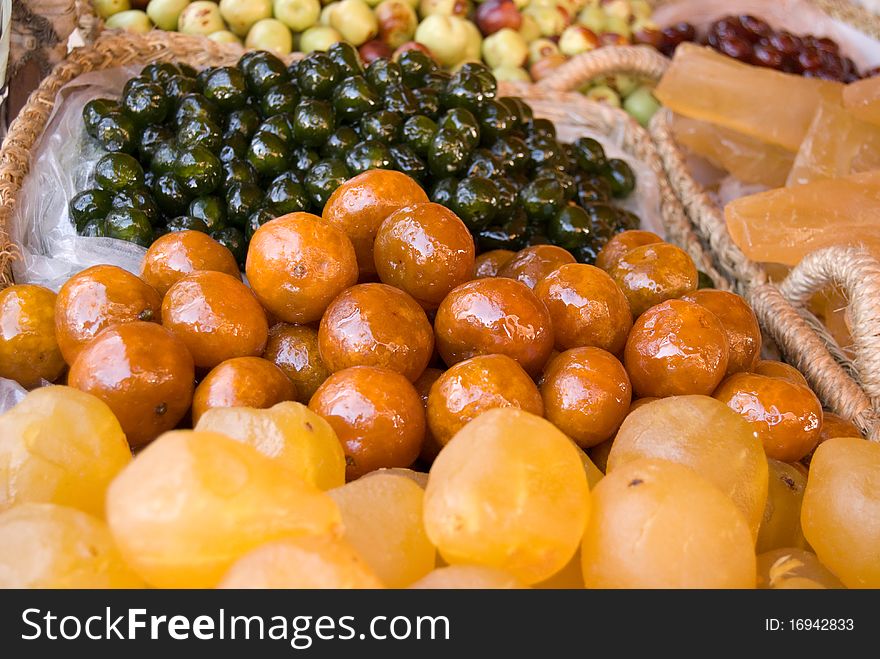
[{"x": 849, "y": 387}]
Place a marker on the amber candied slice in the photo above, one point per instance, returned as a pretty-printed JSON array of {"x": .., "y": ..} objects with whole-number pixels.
[
  {"x": 836, "y": 144},
  {"x": 862, "y": 99},
  {"x": 768, "y": 105},
  {"x": 749, "y": 159},
  {"x": 783, "y": 225}
]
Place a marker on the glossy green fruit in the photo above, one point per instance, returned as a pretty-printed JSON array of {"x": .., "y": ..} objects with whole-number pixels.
[
  {"x": 369, "y": 154},
  {"x": 302, "y": 159},
  {"x": 177, "y": 86},
  {"x": 513, "y": 153},
  {"x": 286, "y": 194},
  {"x": 512, "y": 235},
  {"x": 198, "y": 170},
  {"x": 279, "y": 99},
  {"x": 496, "y": 121},
  {"x": 255, "y": 220},
  {"x": 318, "y": 75},
  {"x": 141, "y": 198},
  {"x": 242, "y": 199},
  {"x": 346, "y": 58},
  {"x": 621, "y": 177},
  {"x": 262, "y": 71},
  {"x": 196, "y": 106},
  {"x": 414, "y": 66},
  {"x": 199, "y": 132},
  {"x": 508, "y": 195},
  {"x": 519, "y": 111},
  {"x": 117, "y": 133},
  {"x": 211, "y": 210},
  {"x": 544, "y": 151},
  {"x": 382, "y": 126},
  {"x": 418, "y": 132},
  {"x": 340, "y": 143},
  {"x": 353, "y": 98},
  {"x": 542, "y": 200},
  {"x": 400, "y": 99},
  {"x": 476, "y": 202},
  {"x": 233, "y": 240},
  {"x": 95, "y": 110},
  {"x": 383, "y": 72},
  {"x": 449, "y": 153},
  {"x": 227, "y": 88},
  {"x": 267, "y": 154},
  {"x": 280, "y": 125},
  {"x": 164, "y": 157},
  {"x": 484, "y": 163},
  {"x": 470, "y": 88},
  {"x": 237, "y": 171},
  {"x": 323, "y": 179},
  {"x": 463, "y": 122},
  {"x": 541, "y": 127},
  {"x": 129, "y": 224},
  {"x": 405, "y": 160},
  {"x": 590, "y": 155},
  {"x": 146, "y": 104},
  {"x": 150, "y": 138},
  {"x": 428, "y": 101},
  {"x": 571, "y": 228},
  {"x": 313, "y": 122},
  {"x": 172, "y": 197},
  {"x": 443, "y": 191},
  {"x": 161, "y": 71},
  {"x": 186, "y": 223},
  {"x": 244, "y": 122},
  {"x": 118, "y": 171},
  {"x": 87, "y": 206},
  {"x": 233, "y": 147}
]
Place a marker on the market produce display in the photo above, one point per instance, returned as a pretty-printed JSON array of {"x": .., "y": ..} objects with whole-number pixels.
[
  {"x": 227, "y": 149},
  {"x": 378, "y": 427},
  {"x": 520, "y": 40}
]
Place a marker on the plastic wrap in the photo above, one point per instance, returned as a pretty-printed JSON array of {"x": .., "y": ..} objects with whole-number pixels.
[
  {"x": 11, "y": 394},
  {"x": 61, "y": 166}
]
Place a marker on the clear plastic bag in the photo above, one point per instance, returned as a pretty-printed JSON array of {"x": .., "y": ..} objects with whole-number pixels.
[{"x": 61, "y": 166}]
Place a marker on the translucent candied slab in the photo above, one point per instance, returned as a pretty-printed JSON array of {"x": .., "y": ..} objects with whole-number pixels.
[
  {"x": 783, "y": 225},
  {"x": 862, "y": 99},
  {"x": 768, "y": 105},
  {"x": 837, "y": 143},
  {"x": 750, "y": 160}
]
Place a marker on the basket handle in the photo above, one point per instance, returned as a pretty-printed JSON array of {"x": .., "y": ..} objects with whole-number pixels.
[
  {"x": 642, "y": 61},
  {"x": 858, "y": 273}
]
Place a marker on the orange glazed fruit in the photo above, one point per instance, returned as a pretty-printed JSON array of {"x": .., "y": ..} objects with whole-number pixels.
[
  {"x": 739, "y": 322},
  {"x": 786, "y": 416},
  {"x": 833, "y": 425},
  {"x": 586, "y": 308},
  {"x": 29, "y": 352},
  {"x": 143, "y": 373},
  {"x": 475, "y": 385},
  {"x": 620, "y": 244},
  {"x": 532, "y": 264},
  {"x": 494, "y": 316},
  {"x": 586, "y": 394},
  {"x": 774, "y": 369},
  {"x": 297, "y": 264},
  {"x": 360, "y": 205},
  {"x": 489, "y": 263},
  {"x": 676, "y": 348},
  {"x": 376, "y": 325},
  {"x": 430, "y": 446},
  {"x": 654, "y": 273},
  {"x": 180, "y": 253},
  {"x": 242, "y": 382},
  {"x": 425, "y": 250},
  {"x": 216, "y": 316},
  {"x": 377, "y": 415},
  {"x": 294, "y": 349},
  {"x": 97, "y": 298}
]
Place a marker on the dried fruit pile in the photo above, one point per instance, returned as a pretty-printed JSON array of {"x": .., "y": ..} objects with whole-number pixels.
[
  {"x": 227, "y": 149},
  {"x": 529, "y": 420}
]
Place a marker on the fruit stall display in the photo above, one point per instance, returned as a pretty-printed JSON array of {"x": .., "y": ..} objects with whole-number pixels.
[
  {"x": 231, "y": 148},
  {"x": 339, "y": 364}
]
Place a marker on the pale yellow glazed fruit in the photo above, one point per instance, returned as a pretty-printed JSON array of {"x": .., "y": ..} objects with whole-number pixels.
[
  {"x": 841, "y": 509},
  {"x": 791, "y": 568},
  {"x": 192, "y": 503},
  {"x": 781, "y": 524},
  {"x": 468, "y": 577},
  {"x": 594, "y": 475},
  {"x": 702, "y": 433},
  {"x": 306, "y": 562},
  {"x": 420, "y": 478},
  {"x": 658, "y": 524},
  {"x": 509, "y": 491},
  {"x": 60, "y": 445},
  {"x": 568, "y": 578},
  {"x": 382, "y": 516},
  {"x": 47, "y": 546},
  {"x": 287, "y": 432}
]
